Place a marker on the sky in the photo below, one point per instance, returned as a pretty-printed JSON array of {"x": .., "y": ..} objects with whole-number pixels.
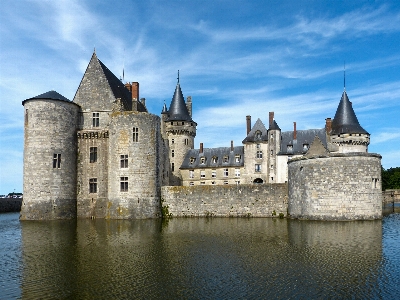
[{"x": 236, "y": 58}]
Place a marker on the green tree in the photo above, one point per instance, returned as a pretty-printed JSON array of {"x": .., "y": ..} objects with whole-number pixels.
[{"x": 391, "y": 178}]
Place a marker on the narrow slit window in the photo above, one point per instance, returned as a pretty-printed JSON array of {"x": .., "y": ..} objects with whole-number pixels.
[
  {"x": 56, "y": 161},
  {"x": 93, "y": 154},
  {"x": 135, "y": 134}
]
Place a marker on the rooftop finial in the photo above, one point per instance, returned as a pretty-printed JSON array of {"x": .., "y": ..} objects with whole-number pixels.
[
  {"x": 178, "y": 76},
  {"x": 94, "y": 49},
  {"x": 344, "y": 75}
]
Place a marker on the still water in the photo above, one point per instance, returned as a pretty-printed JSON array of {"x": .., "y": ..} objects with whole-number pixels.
[{"x": 199, "y": 259}]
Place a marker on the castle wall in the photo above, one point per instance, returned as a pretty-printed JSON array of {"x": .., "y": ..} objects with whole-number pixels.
[
  {"x": 50, "y": 156},
  {"x": 260, "y": 200},
  {"x": 335, "y": 187},
  {"x": 137, "y": 195}
]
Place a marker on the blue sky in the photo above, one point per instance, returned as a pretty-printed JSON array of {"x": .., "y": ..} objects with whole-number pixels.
[{"x": 236, "y": 58}]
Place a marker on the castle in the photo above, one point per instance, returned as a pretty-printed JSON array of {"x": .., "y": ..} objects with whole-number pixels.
[{"x": 103, "y": 155}]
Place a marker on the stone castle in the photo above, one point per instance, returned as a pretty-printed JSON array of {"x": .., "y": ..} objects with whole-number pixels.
[{"x": 103, "y": 155}]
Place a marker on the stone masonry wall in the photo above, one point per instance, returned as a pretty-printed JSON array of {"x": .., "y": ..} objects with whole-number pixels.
[
  {"x": 336, "y": 187},
  {"x": 50, "y": 128},
  {"x": 142, "y": 198},
  {"x": 262, "y": 200}
]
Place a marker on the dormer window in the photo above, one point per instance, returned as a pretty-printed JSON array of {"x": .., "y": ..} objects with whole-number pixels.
[
  {"x": 203, "y": 160},
  {"x": 290, "y": 148},
  {"x": 214, "y": 159},
  {"x": 258, "y": 135},
  {"x": 305, "y": 147},
  {"x": 192, "y": 160},
  {"x": 226, "y": 159},
  {"x": 237, "y": 158}
]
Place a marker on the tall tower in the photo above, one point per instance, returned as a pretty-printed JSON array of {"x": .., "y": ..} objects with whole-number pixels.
[
  {"x": 50, "y": 156},
  {"x": 180, "y": 130},
  {"x": 345, "y": 131}
]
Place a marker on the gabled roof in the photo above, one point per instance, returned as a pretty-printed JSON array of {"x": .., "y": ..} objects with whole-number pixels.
[
  {"x": 178, "y": 110},
  {"x": 303, "y": 137},
  {"x": 345, "y": 120},
  {"x": 94, "y": 74},
  {"x": 51, "y": 95},
  {"x": 253, "y": 137},
  {"x": 209, "y": 153},
  {"x": 316, "y": 148}
]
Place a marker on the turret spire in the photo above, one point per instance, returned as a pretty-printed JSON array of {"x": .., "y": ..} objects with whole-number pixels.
[{"x": 344, "y": 75}]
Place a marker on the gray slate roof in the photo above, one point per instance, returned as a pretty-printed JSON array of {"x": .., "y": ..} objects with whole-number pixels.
[
  {"x": 118, "y": 88},
  {"x": 302, "y": 137},
  {"x": 253, "y": 137},
  {"x": 345, "y": 120},
  {"x": 209, "y": 153},
  {"x": 52, "y": 95},
  {"x": 178, "y": 110}
]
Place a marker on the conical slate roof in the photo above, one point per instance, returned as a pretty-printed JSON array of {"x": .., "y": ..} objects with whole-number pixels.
[
  {"x": 164, "y": 109},
  {"x": 178, "y": 110},
  {"x": 345, "y": 120},
  {"x": 274, "y": 126},
  {"x": 52, "y": 95}
]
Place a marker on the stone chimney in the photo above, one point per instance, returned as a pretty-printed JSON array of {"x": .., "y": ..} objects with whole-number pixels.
[
  {"x": 189, "y": 105},
  {"x": 201, "y": 148},
  {"x": 231, "y": 146},
  {"x": 271, "y": 118},
  {"x": 294, "y": 131},
  {"x": 248, "y": 123},
  {"x": 135, "y": 91},
  {"x": 328, "y": 125}
]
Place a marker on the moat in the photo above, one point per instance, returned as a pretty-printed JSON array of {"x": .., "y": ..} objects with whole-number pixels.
[{"x": 199, "y": 258}]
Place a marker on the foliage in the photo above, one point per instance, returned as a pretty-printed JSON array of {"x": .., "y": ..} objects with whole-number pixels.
[{"x": 391, "y": 178}]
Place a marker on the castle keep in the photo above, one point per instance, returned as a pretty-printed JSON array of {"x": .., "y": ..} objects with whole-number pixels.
[{"x": 103, "y": 155}]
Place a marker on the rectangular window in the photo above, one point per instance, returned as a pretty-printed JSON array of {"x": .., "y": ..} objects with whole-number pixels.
[
  {"x": 124, "y": 184},
  {"x": 96, "y": 119},
  {"x": 135, "y": 131},
  {"x": 259, "y": 154},
  {"x": 226, "y": 159},
  {"x": 56, "y": 161},
  {"x": 173, "y": 153},
  {"x": 172, "y": 141},
  {"x": 237, "y": 158},
  {"x": 272, "y": 152},
  {"x": 191, "y": 173},
  {"x": 237, "y": 182},
  {"x": 124, "y": 161},
  {"x": 225, "y": 182},
  {"x": 237, "y": 172},
  {"x": 92, "y": 185},
  {"x": 272, "y": 166},
  {"x": 93, "y": 154},
  {"x": 202, "y": 182},
  {"x": 172, "y": 167},
  {"x": 257, "y": 167},
  {"x": 226, "y": 172},
  {"x": 191, "y": 183},
  {"x": 214, "y": 173},
  {"x": 202, "y": 174},
  {"x": 186, "y": 141}
]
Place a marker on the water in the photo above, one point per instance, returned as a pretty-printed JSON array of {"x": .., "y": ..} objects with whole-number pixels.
[{"x": 216, "y": 258}]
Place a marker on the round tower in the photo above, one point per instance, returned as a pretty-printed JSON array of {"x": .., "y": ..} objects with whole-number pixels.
[
  {"x": 180, "y": 131},
  {"x": 50, "y": 152},
  {"x": 345, "y": 131}
]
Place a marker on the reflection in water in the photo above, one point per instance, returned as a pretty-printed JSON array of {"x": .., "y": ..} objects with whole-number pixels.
[{"x": 209, "y": 258}]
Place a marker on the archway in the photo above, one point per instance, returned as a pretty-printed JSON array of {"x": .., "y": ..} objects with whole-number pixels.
[{"x": 258, "y": 180}]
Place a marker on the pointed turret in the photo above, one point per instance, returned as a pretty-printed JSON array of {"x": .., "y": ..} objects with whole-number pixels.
[
  {"x": 345, "y": 120},
  {"x": 178, "y": 110},
  {"x": 344, "y": 130}
]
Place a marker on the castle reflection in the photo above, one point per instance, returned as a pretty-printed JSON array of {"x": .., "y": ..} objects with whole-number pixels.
[{"x": 201, "y": 258}]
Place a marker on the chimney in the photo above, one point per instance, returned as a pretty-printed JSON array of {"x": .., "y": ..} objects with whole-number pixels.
[
  {"x": 271, "y": 118},
  {"x": 135, "y": 91},
  {"x": 128, "y": 86},
  {"x": 201, "y": 147},
  {"x": 189, "y": 105},
  {"x": 248, "y": 122},
  {"x": 231, "y": 146},
  {"x": 143, "y": 100},
  {"x": 294, "y": 131},
  {"x": 328, "y": 125}
]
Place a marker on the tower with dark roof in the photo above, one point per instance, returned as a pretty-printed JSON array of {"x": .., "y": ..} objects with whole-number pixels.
[
  {"x": 179, "y": 131},
  {"x": 345, "y": 131}
]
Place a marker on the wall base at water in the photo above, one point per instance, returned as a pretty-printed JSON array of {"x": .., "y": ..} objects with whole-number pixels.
[{"x": 263, "y": 200}]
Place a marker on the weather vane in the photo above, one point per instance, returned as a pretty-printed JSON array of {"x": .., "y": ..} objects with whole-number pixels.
[{"x": 178, "y": 76}]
